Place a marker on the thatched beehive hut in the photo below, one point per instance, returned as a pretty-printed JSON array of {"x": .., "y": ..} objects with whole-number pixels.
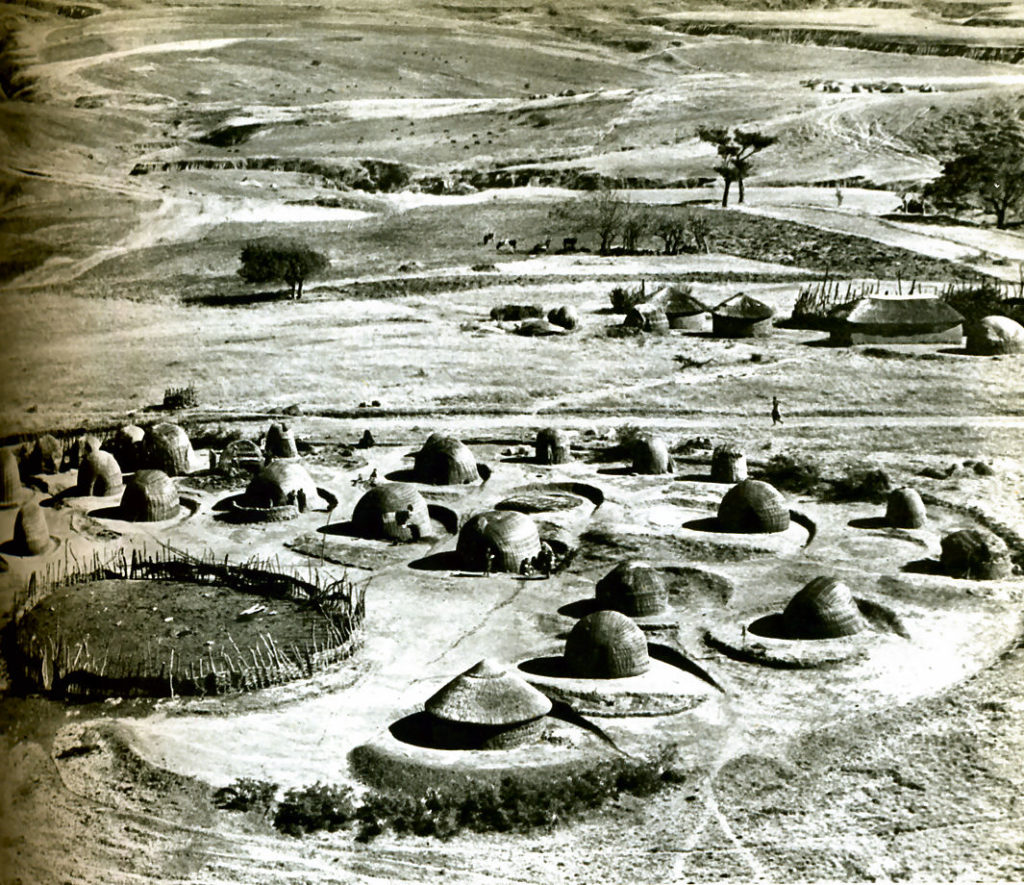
[
  {"x": 728, "y": 463},
  {"x": 742, "y": 317},
  {"x": 651, "y": 455},
  {"x": 634, "y": 589},
  {"x": 31, "y": 532},
  {"x": 47, "y": 454},
  {"x": 99, "y": 475},
  {"x": 606, "y": 645},
  {"x": 912, "y": 320},
  {"x": 507, "y": 536},
  {"x": 445, "y": 461},
  {"x": 647, "y": 317},
  {"x": 976, "y": 554},
  {"x": 753, "y": 506},
  {"x": 282, "y": 482},
  {"x": 565, "y": 316},
  {"x": 149, "y": 496},
  {"x": 994, "y": 334},
  {"x": 395, "y": 511},
  {"x": 11, "y": 491},
  {"x": 280, "y": 442},
  {"x": 75, "y": 453},
  {"x": 486, "y": 708},
  {"x": 905, "y": 509},
  {"x": 240, "y": 457},
  {"x": 127, "y": 446},
  {"x": 683, "y": 310},
  {"x": 167, "y": 447},
  {"x": 552, "y": 446},
  {"x": 823, "y": 609}
]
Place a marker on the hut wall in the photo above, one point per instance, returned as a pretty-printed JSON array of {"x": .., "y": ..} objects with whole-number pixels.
[
  {"x": 738, "y": 327},
  {"x": 846, "y": 335}
]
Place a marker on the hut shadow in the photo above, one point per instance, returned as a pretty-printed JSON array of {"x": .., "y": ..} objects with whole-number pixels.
[
  {"x": 552, "y": 666},
  {"x": 10, "y": 548},
  {"x": 771, "y": 626},
  {"x": 445, "y": 561},
  {"x": 959, "y": 351},
  {"x": 869, "y": 522},
  {"x": 704, "y": 524},
  {"x": 617, "y": 471},
  {"x": 404, "y": 474},
  {"x": 824, "y": 342},
  {"x": 57, "y": 501},
  {"x": 445, "y": 516},
  {"x": 925, "y": 567},
  {"x": 525, "y": 459},
  {"x": 227, "y": 504},
  {"x": 675, "y": 658},
  {"x": 698, "y": 477},
  {"x": 580, "y": 608},
  {"x": 107, "y": 513},
  {"x": 417, "y": 730}
]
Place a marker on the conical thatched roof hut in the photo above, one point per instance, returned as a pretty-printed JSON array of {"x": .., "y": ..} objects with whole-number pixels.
[
  {"x": 912, "y": 320},
  {"x": 282, "y": 482},
  {"x": 976, "y": 554},
  {"x": 994, "y": 334},
  {"x": 31, "y": 532},
  {"x": 445, "y": 461},
  {"x": 728, "y": 463},
  {"x": 742, "y": 317},
  {"x": 633, "y": 588},
  {"x": 149, "y": 496},
  {"x": 648, "y": 318},
  {"x": 823, "y": 609},
  {"x": 905, "y": 509},
  {"x": 606, "y": 645},
  {"x": 683, "y": 310},
  {"x": 167, "y": 448},
  {"x": 487, "y": 708},
  {"x": 507, "y": 535},
  {"x": 553, "y": 446},
  {"x": 11, "y": 491},
  {"x": 651, "y": 455},
  {"x": 280, "y": 442},
  {"x": 47, "y": 454},
  {"x": 753, "y": 506},
  {"x": 395, "y": 511},
  {"x": 99, "y": 475}
]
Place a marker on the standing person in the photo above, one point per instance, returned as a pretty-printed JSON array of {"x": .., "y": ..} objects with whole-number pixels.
[
  {"x": 776, "y": 414},
  {"x": 839, "y": 196}
]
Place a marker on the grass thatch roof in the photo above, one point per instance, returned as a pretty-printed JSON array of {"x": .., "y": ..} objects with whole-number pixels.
[
  {"x": 393, "y": 510},
  {"x": 678, "y": 300},
  {"x": 633, "y": 588},
  {"x": 606, "y": 645},
  {"x": 445, "y": 460},
  {"x": 753, "y": 506},
  {"x": 911, "y": 312},
  {"x": 487, "y": 694},
  {"x": 282, "y": 482},
  {"x": 823, "y": 609},
  {"x": 743, "y": 307},
  {"x": 149, "y": 496},
  {"x": 507, "y": 535},
  {"x": 99, "y": 475}
]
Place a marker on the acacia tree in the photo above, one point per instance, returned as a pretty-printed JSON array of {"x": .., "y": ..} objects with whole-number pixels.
[
  {"x": 280, "y": 261},
  {"x": 735, "y": 149},
  {"x": 988, "y": 171}
]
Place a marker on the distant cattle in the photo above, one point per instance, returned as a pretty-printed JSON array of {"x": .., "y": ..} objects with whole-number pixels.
[
  {"x": 540, "y": 248},
  {"x": 506, "y": 245},
  {"x": 488, "y": 237},
  {"x": 568, "y": 244}
]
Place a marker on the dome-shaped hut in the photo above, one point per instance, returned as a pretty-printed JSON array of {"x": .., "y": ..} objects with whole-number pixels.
[
  {"x": 74, "y": 453},
  {"x": 167, "y": 448},
  {"x": 282, "y": 482},
  {"x": 905, "y": 509},
  {"x": 127, "y": 446},
  {"x": 823, "y": 609},
  {"x": 682, "y": 309},
  {"x": 280, "y": 442},
  {"x": 445, "y": 461},
  {"x": 910, "y": 320},
  {"x": 977, "y": 554},
  {"x": 47, "y": 454},
  {"x": 486, "y": 708},
  {"x": 394, "y": 510},
  {"x": 753, "y": 506},
  {"x": 498, "y": 540},
  {"x": 31, "y": 532},
  {"x": 552, "y": 446},
  {"x": 606, "y": 645},
  {"x": 995, "y": 334},
  {"x": 647, "y": 317},
  {"x": 742, "y": 317},
  {"x": 149, "y": 496},
  {"x": 651, "y": 456},
  {"x": 11, "y": 492},
  {"x": 728, "y": 463},
  {"x": 633, "y": 588},
  {"x": 99, "y": 475},
  {"x": 565, "y": 316}
]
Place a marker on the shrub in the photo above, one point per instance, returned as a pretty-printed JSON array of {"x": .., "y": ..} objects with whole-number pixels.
[
  {"x": 791, "y": 474},
  {"x": 861, "y": 484},
  {"x": 317, "y": 807},
  {"x": 246, "y": 794},
  {"x": 623, "y": 299}
]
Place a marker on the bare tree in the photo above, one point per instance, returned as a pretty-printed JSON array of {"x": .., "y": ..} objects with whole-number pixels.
[{"x": 671, "y": 226}]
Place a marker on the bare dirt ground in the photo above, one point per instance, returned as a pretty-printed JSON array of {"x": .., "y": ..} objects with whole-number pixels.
[{"x": 904, "y": 768}]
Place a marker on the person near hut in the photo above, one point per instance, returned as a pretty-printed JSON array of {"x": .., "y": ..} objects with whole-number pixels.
[
  {"x": 526, "y": 567},
  {"x": 372, "y": 481},
  {"x": 488, "y": 563},
  {"x": 776, "y": 414},
  {"x": 839, "y": 197},
  {"x": 545, "y": 559}
]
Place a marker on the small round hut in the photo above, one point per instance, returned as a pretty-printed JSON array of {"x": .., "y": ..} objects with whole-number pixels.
[
  {"x": 127, "y": 446},
  {"x": 995, "y": 334},
  {"x": 31, "y": 532},
  {"x": 498, "y": 540},
  {"x": 149, "y": 496},
  {"x": 282, "y": 482},
  {"x": 742, "y": 317},
  {"x": 99, "y": 475},
  {"x": 47, "y": 454},
  {"x": 74, "y": 454},
  {"x": 445, "y": 461},
  {"x": 647, "y": 317},
  {"x": 486, "y": 708},
  {"x": 683, "y": 310},
  {"x": 240, "y": 457},
  {"x": 634, "y": 589},
  {"x": 552, "y": 446},
  {"x": 565, "y": 316},
  {"x": 606, "y": 645},
  {"x": 728, "y": 463},
  {"x": 976, "y": 554},
  {"x": 823, "y": 609},
  {"x": 394, "y": 511},
  {"x": 651, "y": 456},
  {"x": 11, "y": 492},
  {"x": 167, "y": 448},
  {"x": 753, "y": 507},
  {"x": 280, "y": 442},
  {"x": 905, "y": 509}
]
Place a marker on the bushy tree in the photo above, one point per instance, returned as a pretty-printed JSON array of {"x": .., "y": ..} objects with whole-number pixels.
[
  {"x": 280, "y": 261},
  {"x": 601, "y": 212},
  {"x": 987, "y": 172},
  {"x": 735, "y": 148}
]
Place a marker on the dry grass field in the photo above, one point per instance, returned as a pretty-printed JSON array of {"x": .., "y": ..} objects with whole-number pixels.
[{"x": 162, "y": 137}]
